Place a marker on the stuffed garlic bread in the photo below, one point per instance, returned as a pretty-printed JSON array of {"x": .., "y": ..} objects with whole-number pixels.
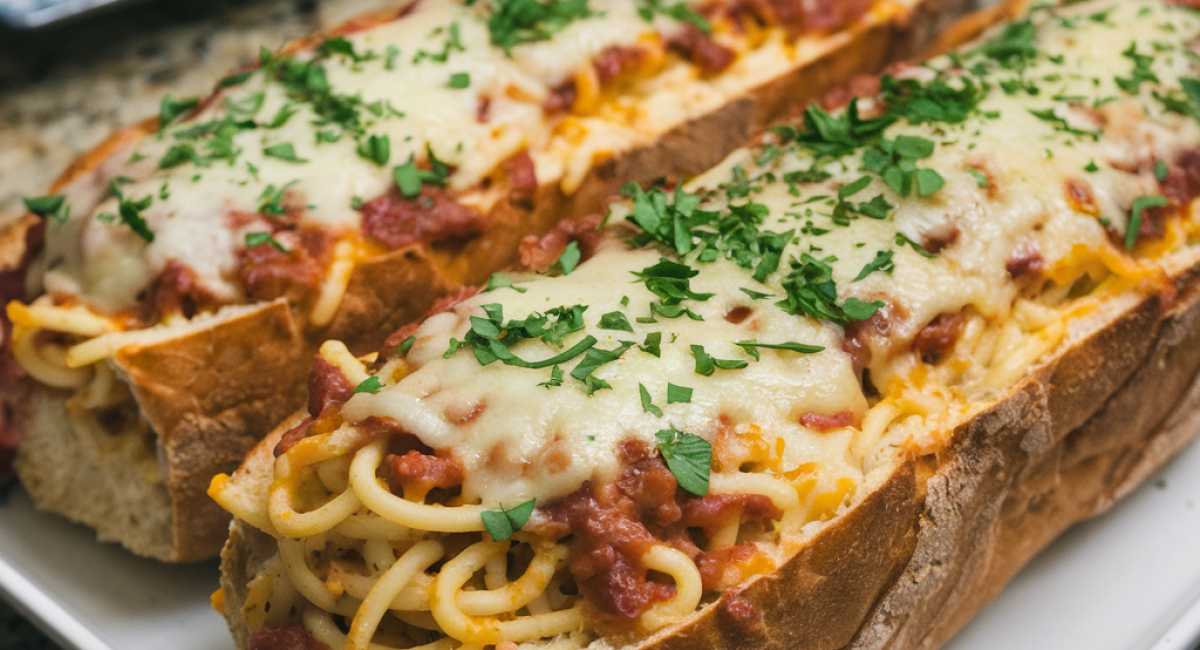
[
  {"x": 832, "y": 393},
  {"x": 336, "y": 189}
]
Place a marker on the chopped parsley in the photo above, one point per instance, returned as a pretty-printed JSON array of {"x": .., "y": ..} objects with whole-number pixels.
[
  {"x": 410, "y": 178},
  {"x": 895, "y": 162},
  {"x": 1161, "y": 171},
  {"x": 752, "y": 347},
  {"x": 678, "y": 394},
  {"x": 515, "y": 22},
  {"x": 882, "y": 262},
  {"x": 271, "y": 200},
  {"x": 756, "y": 295},
  {"x": 647, "y": 404},
  {"x": 811, "y": 291},
  {"x": 678, "y": 11},
  {"x": 1140, "y": 206},
  {"x": 129, "y": 212},
  {"x": 706, "y": 365},
  {"x": 569, "y": 259},
  {"x": 689, "y": 457},
  {"x": 376, "y": 148},
  {"x": 1060, "y": 124},
  {"x": 1013, "y": 47},
  {"x": 592, "y": 360},
  {"x": 256, "y": 238},
  {"x": 406, "y": 345},
  {"x": 981, "y": 179},
  {"x": 283, "y": 151},
  {"x": 652, "y": 344},
  {"x": 903, "y": 240},
  {"x": 615, "y": 320},
  {"x": 671, "y": 282},
  {"x": 502, "y": 281},
  {"x": 170, "y": 108},
  {"x": 491, "y": 338},
  {"x": 555, "y": 380},
  {"x": 502, "y": 523},
  {"x": 1141, "y": 71},
  {"x": 340, "y": 46},
  {"x": 371, "y": 384},
  {"x": 54, "y": 206}
]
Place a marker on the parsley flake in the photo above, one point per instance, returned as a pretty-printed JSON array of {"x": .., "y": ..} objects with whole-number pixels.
[
  {"x": 502, "y": 281},
  {"x": 515, "y": 22},
  {"x": 256, "y": 238},
  {"x": 648, "y": 405},
  {"x": 371, "y": 385},
  {"x": 689, "y": 457},
  {"x": 283, "y": 151},
  {"x": 376, "y": 148},
  {"x": 751, "y": 347},
  {"x": 706, "y": 365},
  {"x": 54, "y": 206},
  {"x": 170, "y": 108},
  {"x": 1140, "y": 206},
  {"x": 615, "y": 320},
  {"x": 678, "y": 394},
  {"x": 502, "y": 523}
]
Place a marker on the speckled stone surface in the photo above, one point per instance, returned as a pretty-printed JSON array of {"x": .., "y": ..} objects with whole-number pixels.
[{"x": 64, "y": 89}]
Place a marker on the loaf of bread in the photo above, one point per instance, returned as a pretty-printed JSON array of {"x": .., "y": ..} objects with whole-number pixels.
[{"x": 832, "y": 393}]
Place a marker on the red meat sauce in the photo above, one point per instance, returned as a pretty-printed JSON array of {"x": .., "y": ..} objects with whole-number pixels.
[
  {"x": 866, "y": 339},
  {"x": 292, "y": 637},
  {"x": 935, "y": 341},
  {"x": 615, "y": 64},
  {"x": 433, "y": 215},
  {"x": 444, "y": 304},
  {"x": 610, "y": 527},
  {"x": 825, "y": 423},
  {"x": 1026, "y": 261},
  {"x": 540, "y": 253},
  {"x": 327, "y": 387},
  {"x": 436, "y": 215},
  {"x": 699, "y": 48},
  {"x": 1180, "y": 187},
  {"x": 797, "y": 16}
]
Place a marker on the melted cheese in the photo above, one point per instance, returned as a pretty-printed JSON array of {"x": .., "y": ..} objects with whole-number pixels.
[
  {"x": 104, "y": 264},
  {"x": 518, "y": 440},
  {"x": 528, "y": 441}
]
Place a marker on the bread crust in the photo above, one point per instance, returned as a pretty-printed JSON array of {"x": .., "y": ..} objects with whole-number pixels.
[{"x": 203, "y": 435}]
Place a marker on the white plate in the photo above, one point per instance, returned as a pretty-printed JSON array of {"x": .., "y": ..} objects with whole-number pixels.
[
  {"x": 92, "y": 596},
  {"x": 1118, "y": 582},
  {"x": 1127, "y": 580}
]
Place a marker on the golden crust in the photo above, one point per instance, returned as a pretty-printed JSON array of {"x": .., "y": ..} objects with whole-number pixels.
[
  {"x": 207, "y": 393},
  {"x": 204, "y": 434}
]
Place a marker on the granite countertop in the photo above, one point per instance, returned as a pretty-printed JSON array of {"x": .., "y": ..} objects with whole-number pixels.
[{"x": 64, "y": 89}]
